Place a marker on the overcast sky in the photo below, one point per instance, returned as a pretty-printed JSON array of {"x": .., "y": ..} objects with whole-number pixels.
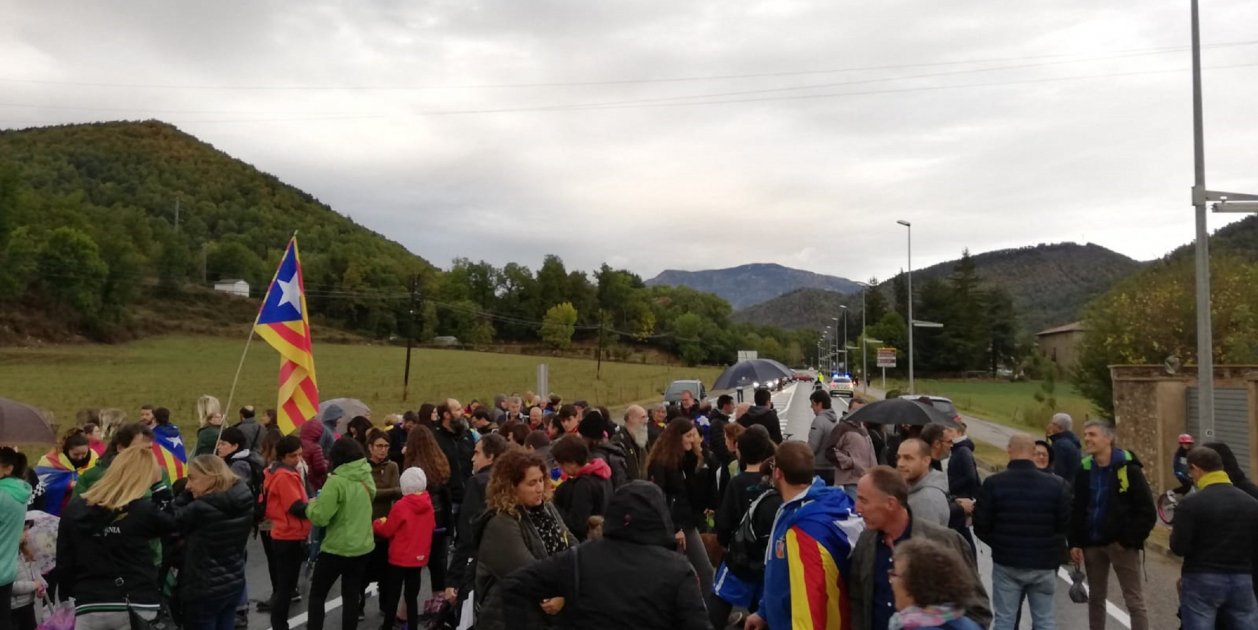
[{"x": 691, "y": 135}]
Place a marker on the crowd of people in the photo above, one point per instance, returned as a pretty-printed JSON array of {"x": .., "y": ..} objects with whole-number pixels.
[{"x": 546, "y": 514}]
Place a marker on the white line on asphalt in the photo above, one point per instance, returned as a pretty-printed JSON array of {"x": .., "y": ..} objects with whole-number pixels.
[
  {"x": 330, "y": 606},
  {"x": 1111, "y": 608}
]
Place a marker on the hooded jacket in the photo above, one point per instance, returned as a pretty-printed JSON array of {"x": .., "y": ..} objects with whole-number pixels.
[
  {"x": 1124, "y": 512},
  {"x": 409, "y": 528},
  {"x": 98, "y": 547},
  {"x": 216, "y": 529},
  {"x": 928, "y": 498},
  {"x": 852, "y": 452},
  {"x": 311, "y": 451},
  {"x": 344, "y": 508},
  {"x": 818, "y": 437},
  {"x": 286, "y": 500},
  {"x": 806, "y": 566},
  {"x": 1067, "y": 455},
  {"x": 14, "y": 493},
  {"x": 765, "y": 417},
  {"x": 637, "y": 549},
  {"x": 584, "y": 495},
  {"x": 963, "y": 478}
]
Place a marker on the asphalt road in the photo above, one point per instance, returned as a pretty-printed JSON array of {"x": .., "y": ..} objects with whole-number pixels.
[{"x": 796, "y": 416}]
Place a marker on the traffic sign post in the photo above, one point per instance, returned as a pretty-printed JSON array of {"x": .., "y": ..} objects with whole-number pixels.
[{"x": 886, "y": 359}]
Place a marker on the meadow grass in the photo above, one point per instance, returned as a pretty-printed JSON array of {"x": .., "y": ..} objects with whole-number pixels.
[
  {"x": 1011, "y": 404},
  {"x": 173, "y": 372}
]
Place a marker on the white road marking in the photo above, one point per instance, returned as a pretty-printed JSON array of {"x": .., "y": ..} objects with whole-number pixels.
[
  {"x": 1110, "y": 607},
  {"x": 328, "y": 607}
]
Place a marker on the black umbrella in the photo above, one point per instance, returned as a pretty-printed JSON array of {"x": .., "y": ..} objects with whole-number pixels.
[
  {"x": 23, "y": 424},
  {"x": 901, "y": 411},
  {"x": 748, "y": 373}
]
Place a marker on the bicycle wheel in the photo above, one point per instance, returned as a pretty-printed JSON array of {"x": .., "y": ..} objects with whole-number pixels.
[{"x": 1166, "y": 508}]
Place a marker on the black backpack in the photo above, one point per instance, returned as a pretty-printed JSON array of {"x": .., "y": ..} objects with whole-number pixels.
[{"x": 746, "y": 551}]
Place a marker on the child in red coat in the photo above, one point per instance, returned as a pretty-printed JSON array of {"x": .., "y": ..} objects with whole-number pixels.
[{"x": 409, "y": 528}]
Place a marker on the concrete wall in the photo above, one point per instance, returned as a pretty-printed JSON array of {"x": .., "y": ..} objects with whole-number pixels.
[
  {"x": 1150, "y": 407},
  {"x": 1061, "y": 347}
]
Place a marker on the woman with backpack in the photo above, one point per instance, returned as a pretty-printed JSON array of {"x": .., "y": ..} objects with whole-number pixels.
[
  {"x": 742, "y": 531},
  {"x": 343, "y": 507},
  {"x": 285, "y": 494},
  {"x": 215, "y": 515}
]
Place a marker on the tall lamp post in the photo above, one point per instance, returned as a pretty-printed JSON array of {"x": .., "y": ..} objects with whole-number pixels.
[
  {"x": 847, "y": 367},
  {"x": 864, "y": 368},
  {"x": 909, "y": 226},
  {"x": 1225, "y": 202}
]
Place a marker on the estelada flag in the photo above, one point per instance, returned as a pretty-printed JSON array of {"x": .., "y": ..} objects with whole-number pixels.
[{"x": 284, "y": 323}]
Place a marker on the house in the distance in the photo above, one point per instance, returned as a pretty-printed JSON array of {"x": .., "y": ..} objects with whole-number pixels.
[
  {"x": 232, "y": 286},
  {"x": 1061, "y": 344}
]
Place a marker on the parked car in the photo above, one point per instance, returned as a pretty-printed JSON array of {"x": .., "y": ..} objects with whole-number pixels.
[
  {"x": 842, "y": 386},
  {"x": 672, "y": 395},
  {"x": 938, "y": 402}
]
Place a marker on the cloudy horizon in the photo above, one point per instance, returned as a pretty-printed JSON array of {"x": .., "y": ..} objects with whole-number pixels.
[{"x": 652, "y": 135}]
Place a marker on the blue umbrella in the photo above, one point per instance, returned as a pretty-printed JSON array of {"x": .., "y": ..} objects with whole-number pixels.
[{"x": 748, "y": 373}]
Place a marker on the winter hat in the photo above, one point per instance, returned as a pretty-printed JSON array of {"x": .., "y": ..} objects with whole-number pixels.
[
  {"x": 332, "y": 413},
  {"x": 592, "y": 425},
  {"x": 414, "y": 480}
]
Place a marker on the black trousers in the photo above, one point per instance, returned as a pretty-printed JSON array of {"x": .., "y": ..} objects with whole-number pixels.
[
  {"x": 328, "y": 568},
  {"x": 401, "y": 581},
  {"x": 438, "y": 559},
  {"x": 6, "y": 600},
  {"x": 268, "y": 548},
  {"x": 287, "y": 556}
]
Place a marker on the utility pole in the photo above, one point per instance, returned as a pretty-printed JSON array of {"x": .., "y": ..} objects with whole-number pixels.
[
  {"x": 410, "y": 337},
  {"x": 909, "y": 227},
  {"x": 176, "y": 214},
  {"x": 602, "y": 319},
  {"x": 205, "y": 255}
]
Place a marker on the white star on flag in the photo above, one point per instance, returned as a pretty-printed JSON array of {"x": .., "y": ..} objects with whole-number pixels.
[{"x": 291, "y": 293}]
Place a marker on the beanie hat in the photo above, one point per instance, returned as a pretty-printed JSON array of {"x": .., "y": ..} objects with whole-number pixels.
[
  {"x": 414, "y": 480},
  {"x": 592, "y": 425}
]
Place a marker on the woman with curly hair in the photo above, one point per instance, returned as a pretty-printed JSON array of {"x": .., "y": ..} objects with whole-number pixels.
[
  {"x": 678, "y": 465},
  {"x": 929, "y": 581},
  {"x": 423, "y": 452},
  {"x": 520, "y": 525}
]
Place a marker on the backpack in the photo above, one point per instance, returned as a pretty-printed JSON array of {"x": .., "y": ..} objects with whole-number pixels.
[{"x": 746, "y": 551}]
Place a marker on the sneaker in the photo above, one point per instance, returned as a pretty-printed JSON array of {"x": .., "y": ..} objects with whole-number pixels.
[
  {"x": 296, "y": 598},
  {"x": 362, "y": 616},
  {"x": 264, "y": 605}
]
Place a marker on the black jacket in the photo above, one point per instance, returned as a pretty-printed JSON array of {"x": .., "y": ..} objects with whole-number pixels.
[
  {"x": 1066, "y": 456},
  {"x": 1023, "y": 515},
  {"x": 765, "y": 417},
  {"x": 216, "y": 529},
  {"x": 741, "y": 491},
  {"x": 614, "y": 455},
  {"x": 1214, "y": 530},
  {"x": 397, "y": 442},
  {"x": 460, "y": 573},
  {"x": 96, "y": 547},
  {"x": 1128, "y": 516},
  {"x": 457, "y": 448},
  {"x": 716, "y": 438},
  {"x": 581, "y": 497},
  {"x": 635, "y": 456},
  {"x": 637, "y": 550},
  {"x": 683, "y": 490},
  {"x": 963, "y": 478}
]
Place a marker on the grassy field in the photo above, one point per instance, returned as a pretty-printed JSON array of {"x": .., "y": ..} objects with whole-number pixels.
[
  {"x": 174, "y": 371},
  {"x": 1012, "y": 404}
]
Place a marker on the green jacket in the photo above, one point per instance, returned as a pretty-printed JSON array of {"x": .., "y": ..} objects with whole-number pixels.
[
  {"x": 344, "y": 508},
  {"x": 207, "y": 441},
  {"x": 94, "y": 474},
  {"x": 14, "y": 493}
]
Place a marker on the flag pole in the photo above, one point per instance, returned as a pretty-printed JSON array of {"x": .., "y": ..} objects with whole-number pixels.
[{"x": 252, "y": 329}]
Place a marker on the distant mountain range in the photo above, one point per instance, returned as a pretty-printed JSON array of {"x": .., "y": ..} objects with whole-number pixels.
[
  {"x": 747, "y": 285},
  {"x": 1050, "y": 285}
]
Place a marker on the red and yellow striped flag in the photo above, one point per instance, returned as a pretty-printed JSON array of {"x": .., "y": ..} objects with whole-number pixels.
[{"x": 284, "y": 323}]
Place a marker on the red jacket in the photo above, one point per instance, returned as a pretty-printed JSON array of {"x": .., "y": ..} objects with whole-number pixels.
[
  {"x": 282, "y": 488},
  {"x": 409, "y": 528},
  {"x": 313, "y": 453}
]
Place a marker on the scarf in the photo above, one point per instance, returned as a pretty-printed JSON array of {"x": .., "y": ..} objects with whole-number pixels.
[
  {"x": 549, "y": 529},
  {"x": 930, "y": 616}
]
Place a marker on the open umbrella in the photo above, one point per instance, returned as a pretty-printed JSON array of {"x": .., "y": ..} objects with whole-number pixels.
[
  {"x": 23, "y": 424},
  {"x": 350, "y": 408},
  {"x": 748, "y": 373},
  {"x": 901, "y": 411}
]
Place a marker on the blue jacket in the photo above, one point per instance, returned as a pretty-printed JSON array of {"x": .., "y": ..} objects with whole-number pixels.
[
  {"x": 963, "y": 478},
  {"x": 1023, "y": 514},
  {"x": 806, "y": 564},
  {"x": 1067, "y": 455}
]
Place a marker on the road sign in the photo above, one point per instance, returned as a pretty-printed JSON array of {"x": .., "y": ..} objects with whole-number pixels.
[{"x": 886, "y": 357}]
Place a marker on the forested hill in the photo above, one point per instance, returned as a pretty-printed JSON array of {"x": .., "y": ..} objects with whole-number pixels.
[
  {"x": 106, "y": 193},
  {"x": 746, "y": 285}
]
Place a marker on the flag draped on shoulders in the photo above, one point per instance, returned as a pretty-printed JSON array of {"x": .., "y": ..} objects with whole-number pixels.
[
  {"x": 284, "y": 323},
  {"x": 169, "y": 450},
  {"x": 807, "y": 562},
  {"x": 57, "y": 477}
]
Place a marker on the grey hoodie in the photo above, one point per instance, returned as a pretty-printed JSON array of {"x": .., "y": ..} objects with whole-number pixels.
[
  {"x": 818, "y": 437},
  {"x": 928, "y": 498}
]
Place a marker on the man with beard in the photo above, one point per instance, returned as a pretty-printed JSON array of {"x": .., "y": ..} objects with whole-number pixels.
[
  {"x": 457, "y": 445},
  {"x": 633, "y": 440}
]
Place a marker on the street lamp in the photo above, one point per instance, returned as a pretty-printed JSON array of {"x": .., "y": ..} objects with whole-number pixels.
[
  {"x": 909, "y": 227},
  {"x": 864, "y": 368},
  {"x": 847, "y": 368},
  {"x": 1228, "y": 202}
]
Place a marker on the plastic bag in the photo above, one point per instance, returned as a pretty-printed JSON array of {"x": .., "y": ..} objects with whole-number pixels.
[
  {"x": 1078, "y": 590},
  {"x": 59, "y": 617}
]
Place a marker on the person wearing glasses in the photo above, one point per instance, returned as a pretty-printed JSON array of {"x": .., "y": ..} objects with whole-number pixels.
[
  {"x": 922, "y": 600},
  {"x": 384, "y": 472}
]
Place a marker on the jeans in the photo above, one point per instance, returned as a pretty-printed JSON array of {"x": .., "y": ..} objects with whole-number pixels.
[
  {"x": 1008, "y": 586},
  {"x": 405, "y": 582},
  {"x": 288, "y": 556},
  {"x": 1126, "y": 562},
  {"x": 1207, "y": 598},
  {"x": 211, "y": 614},
  {"x": 328, "y": 568}
]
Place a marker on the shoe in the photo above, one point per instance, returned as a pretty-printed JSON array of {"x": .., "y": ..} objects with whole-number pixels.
[
  {"x": 296, "y": 598},
  {"x": 264, "y": 605},
  {"x": 242, "y": 621},
  {"x": 362, "y": 617},
  {"x": 736, "y": 619}
]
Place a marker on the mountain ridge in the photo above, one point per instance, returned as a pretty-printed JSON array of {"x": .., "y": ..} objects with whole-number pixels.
[{"x": 753, "y": 283}]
